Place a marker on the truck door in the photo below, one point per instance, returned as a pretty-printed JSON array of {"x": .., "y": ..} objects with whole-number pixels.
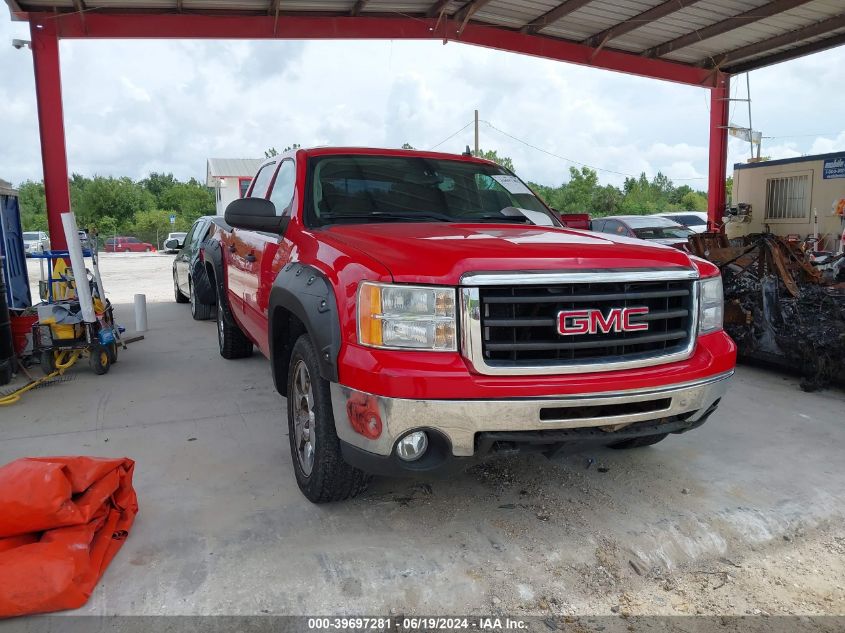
[
  {"x": 266, "y": 253},
  {"x": 240, "y": 250}
]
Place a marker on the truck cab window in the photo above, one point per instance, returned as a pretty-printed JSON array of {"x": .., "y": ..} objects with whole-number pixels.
[{"x": 282, "y": 192}]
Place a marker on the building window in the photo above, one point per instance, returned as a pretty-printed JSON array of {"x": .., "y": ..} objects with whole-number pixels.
[
  {"x": 243, "y": 185},
  {"x": 788, "y": 198}
]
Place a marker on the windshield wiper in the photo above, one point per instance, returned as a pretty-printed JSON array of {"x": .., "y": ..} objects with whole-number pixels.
[
  {"x": 517, "y": 219},
  {"x": 386, "y": 215}
]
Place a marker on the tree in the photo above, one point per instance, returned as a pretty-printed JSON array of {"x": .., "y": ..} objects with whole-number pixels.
[
  {"x": 157, "y": 184},
  {"x": 694, "y": 201},
  {"x": 292, "y": 147},
  {"x": 151, "y": 226},
  {"x": 188, "y": 201},
  {"x": 120, "y": 198},
  {"x": 729, "y": 188},
  {"x": 407, "y": 146},
  {"x": 33, "y": 205},
  {"x": 269, "y": 153},
  {"x": 493, "y": 156}
]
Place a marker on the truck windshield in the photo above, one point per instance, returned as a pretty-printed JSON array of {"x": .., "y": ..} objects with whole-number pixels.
[{"x": 363, "y": 189}]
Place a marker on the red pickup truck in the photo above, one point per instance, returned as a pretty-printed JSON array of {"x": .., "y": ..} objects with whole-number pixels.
[{"x": 421, "y": 310}]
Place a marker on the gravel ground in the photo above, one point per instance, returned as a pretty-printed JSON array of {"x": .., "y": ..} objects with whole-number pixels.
[{"x": 741, "y": 517}]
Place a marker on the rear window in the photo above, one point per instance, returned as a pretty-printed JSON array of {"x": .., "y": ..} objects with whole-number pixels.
[{"x": 30, "y": 236}]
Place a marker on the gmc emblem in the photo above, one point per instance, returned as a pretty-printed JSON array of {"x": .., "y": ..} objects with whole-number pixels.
[{"x": 592, "y": 321}]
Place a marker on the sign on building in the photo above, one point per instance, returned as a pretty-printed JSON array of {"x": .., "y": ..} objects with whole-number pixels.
[{"x": 834, "y": 168}]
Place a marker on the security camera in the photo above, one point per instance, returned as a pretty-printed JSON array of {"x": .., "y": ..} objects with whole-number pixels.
[{"x": 19, "y": 44}]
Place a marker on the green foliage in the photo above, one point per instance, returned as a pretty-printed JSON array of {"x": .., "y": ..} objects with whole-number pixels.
[
  {"x": 120, "y": 206},
  {"x": 120, "y": 198},
  {"x": 729, "y": 188},
  {"x": 292, "y": 147},
  {"x": 33, "y": 204},
  {"x": 269, "y": 153},
  {"x": 638, "y": 196},
  {"x": 407, "y": 146},
  {"x": 492, "y": 155}
]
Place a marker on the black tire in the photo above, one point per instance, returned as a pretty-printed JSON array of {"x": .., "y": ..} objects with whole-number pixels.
[
  {"x": 180, "y": 298},
  {"x": 98, "y": 359},
  {"x": 329, "y": 478},
  {"x": 112, "y": 349},
  {"x": 232, "y": 342},
  {"x": 639, "y": 442},
  {"x": 199, "y": 311},
  {"x": 48, "y": 362}
]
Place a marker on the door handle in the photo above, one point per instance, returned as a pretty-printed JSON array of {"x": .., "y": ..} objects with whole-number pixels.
[
  {"x": 250, "y": 258},
  {"x": 232, "y": 248}
]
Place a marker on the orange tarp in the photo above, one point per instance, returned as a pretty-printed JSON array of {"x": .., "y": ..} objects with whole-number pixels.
[{"x": 62, "y": 520}]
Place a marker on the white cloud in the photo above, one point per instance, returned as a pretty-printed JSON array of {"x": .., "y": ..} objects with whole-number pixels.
[{"x": 136, "y": 106}]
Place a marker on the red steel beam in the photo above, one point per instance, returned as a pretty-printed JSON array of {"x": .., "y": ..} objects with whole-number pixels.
[
  {"x": 51, "y": 128},
  {"x": 718, "y": 162},
  {"x": 195, "y": 26}
]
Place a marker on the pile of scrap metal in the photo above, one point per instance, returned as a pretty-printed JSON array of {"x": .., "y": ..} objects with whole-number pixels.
[{"x": 780, "y": 306}]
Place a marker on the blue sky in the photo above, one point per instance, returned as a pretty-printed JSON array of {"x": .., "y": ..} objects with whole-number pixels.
[{"x": 137, "y": 106}]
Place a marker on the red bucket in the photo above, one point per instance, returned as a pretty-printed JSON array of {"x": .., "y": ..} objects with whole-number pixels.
[{"x": 21, "y": 329}]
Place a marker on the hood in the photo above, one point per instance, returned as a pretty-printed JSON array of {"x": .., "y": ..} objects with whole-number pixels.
[{"x": 440, "y": 253}]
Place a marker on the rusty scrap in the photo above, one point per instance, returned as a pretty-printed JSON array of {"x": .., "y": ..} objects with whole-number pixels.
[{"x": 779, "y": 308}]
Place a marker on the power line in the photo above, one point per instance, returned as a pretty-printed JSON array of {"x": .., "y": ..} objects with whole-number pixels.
[
  {"x": 451, "y": 136},
  {"x": 572, "y": 160}
]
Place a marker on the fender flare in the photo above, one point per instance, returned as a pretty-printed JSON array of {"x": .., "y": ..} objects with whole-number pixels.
[
  {"x": 213, "y": 255},
  {"x": 306, "y": 293}
]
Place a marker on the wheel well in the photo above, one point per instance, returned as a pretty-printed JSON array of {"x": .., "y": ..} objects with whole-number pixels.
[{"x": 287, "y": 328}]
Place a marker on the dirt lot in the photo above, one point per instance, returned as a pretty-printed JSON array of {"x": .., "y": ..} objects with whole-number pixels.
[{"x": 743, "y": 516}]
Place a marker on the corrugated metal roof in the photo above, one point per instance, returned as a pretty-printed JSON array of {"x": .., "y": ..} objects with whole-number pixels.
[
  {"x": 242, "y": 167},
  {"x": 704, "y": 33}
]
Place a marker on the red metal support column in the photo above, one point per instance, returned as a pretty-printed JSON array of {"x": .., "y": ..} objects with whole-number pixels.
[
  {"x": 718, "y": 164},
  {"x": 48, "y": 92}
]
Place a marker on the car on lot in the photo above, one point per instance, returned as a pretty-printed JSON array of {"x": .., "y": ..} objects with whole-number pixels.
[
  {"x": 422, "y": 310},
  {"x": 127, "y": 245},
  {"x": 695, "y": 221},
  {"x": 35, "y": 242},
  {"x": 190, "y": 281},
  {"x": 651, "y": 228},
  {"x": 179, "y": 236}
]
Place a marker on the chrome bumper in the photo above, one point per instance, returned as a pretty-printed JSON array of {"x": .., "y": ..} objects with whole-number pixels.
[{"x": 460, "y": 420}]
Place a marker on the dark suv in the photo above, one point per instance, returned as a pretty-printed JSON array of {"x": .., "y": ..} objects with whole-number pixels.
[{"x": 190, "y": 281}]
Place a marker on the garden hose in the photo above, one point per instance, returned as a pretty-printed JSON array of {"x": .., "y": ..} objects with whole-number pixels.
[{"x": 64, "y": 360}]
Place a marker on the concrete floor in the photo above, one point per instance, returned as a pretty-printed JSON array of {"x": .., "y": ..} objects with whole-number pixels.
[{"x": 223, "y": 529}]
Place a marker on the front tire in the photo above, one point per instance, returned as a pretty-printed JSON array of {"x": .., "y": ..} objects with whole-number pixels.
[
  {"x": 199, "y": 311},
  {"x": 321, "y": 472},
  {"x": 232, "y": 342}
]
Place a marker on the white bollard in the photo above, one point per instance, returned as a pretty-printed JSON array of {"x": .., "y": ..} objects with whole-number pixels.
[{"x": 140, "y": 313}]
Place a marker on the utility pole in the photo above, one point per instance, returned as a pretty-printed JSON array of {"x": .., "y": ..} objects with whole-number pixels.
[{"x": 476, "y": 133}]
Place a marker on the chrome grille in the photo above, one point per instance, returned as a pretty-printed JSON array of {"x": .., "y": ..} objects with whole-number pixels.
[{"x": 513, "y": 328}]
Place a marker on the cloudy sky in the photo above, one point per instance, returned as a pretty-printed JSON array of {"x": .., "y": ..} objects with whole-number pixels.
[{"x": 134, "y": 107}]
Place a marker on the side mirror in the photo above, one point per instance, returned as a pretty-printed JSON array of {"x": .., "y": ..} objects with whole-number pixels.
[
  {"x": 256, "y": 214},
  {"x": 173, "y": 244}
]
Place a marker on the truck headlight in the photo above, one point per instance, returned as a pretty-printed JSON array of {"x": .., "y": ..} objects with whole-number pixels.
[
  {"x": 711, "y": 305},
  {"x": 406, "y": 317}
]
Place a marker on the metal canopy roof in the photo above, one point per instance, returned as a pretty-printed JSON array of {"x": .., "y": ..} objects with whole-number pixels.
[{"x": 726, "y": 35}]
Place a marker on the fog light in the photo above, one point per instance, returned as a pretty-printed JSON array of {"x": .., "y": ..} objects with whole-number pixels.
[{"x": 412, "y": 446}]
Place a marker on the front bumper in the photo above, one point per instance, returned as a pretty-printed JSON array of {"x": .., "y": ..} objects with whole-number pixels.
[{"x": 461, "y": 423}]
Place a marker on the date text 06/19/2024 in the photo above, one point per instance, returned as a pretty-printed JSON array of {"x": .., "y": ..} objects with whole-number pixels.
[{"x": 421, "y": 623}]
